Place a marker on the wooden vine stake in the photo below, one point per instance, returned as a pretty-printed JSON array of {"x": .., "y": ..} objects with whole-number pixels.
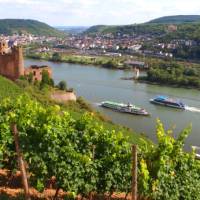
[
  {"x": 21, "y": 162},
  {"x": 134, "y": 172}
]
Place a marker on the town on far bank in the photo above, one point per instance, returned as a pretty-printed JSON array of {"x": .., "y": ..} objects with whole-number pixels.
[{"x": 160, "y": 50}]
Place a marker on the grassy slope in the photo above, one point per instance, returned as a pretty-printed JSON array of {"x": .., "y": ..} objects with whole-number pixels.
[
  {"x": 10, "y": 89},
  {"x": 10, "y": 26}
]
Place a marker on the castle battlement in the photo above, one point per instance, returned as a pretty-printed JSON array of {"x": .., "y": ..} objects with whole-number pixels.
[{"x": 11, "y": 61}]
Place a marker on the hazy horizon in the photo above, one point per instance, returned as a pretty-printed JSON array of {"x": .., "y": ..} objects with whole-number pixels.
[{"x": 95, "y": 12}]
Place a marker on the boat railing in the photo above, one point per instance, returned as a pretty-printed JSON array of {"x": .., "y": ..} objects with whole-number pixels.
[{"x": 196, "y": 148}]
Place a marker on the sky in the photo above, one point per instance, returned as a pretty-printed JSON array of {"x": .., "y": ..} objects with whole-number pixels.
[{"x": 93, "y": 12}]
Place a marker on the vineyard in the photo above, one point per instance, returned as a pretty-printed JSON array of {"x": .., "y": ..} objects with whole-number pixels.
[
  {"x": 8, "y": 88},
  {"x": 86, "y": 158}
]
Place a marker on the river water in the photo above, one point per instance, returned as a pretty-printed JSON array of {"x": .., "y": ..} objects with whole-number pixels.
[{"x": 97, "y": 84}]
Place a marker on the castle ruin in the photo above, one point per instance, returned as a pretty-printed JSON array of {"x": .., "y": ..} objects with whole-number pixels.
[
  {"x": 11, "y": 61},
  {"x": 36, "y": 71}
]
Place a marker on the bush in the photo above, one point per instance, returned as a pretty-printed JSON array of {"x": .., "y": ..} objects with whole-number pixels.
[
  {"x": 62, "y": 85},
  {"x": 166, "y": 171},
  {"x": 46, "y": 80},
  {"x": 56, "y": 57},
  {"x": 81, "y": 154},
  {"x": 174, "y": 74},
  {"x": 110, "y": 64}
]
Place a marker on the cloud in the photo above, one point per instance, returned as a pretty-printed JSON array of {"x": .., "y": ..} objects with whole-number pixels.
[
  {"x": 89, "y": 12},
  {"x": 14, "y": 2}
]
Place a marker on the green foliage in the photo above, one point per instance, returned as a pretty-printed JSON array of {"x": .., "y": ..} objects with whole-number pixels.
[
  {"x": 46, "y": 80},
  {"x": 188, "y": 31},
  {"x": 166, "y": 171},
  {"x": 86, "y": 157},
  {"x": 21, "y": 26},
  {"x": 105, "y": 61},
  {"x": 56, "y": 57},
  {"x": 187, "y": 28},
  {"x": 30, "y": 77},
  {"x": 190, "y": 72},
  {"x": 110, "y": 64},
  {"x": 62, "y": 85},
  {"x": 81, "y": 154},
  {"x": 76, "y": 109},
  {"x": 8, "y": 88},
  {"x": 176, "y": 19},
  {"x": 174, "y": 74},
  {"x": 154, "y": 29}
]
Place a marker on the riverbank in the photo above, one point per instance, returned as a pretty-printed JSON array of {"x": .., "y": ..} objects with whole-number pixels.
[
  {"x": 144, "y": 80},
  {"x": 101, "y": 61},
  {"x": 166, "y": 84},
  {"x": 167, "y": 73}
]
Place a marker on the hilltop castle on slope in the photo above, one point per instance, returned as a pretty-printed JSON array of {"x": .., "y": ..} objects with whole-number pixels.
[
  {"x": 12, "y": 63},
  {"x": 11, "y": 60}
]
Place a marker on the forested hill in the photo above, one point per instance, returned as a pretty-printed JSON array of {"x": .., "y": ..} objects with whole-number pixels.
[
  {"x": 19, "y": 26},
  {"x": 185, "y": 24},
  {"x": 127, "y": 29},
  {"x": 176, "y": 19}
]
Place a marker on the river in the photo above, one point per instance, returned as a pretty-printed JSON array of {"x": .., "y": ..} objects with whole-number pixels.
[{"x": 97, "y": 84}]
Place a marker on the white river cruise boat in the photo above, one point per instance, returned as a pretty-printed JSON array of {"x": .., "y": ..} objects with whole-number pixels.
[{"x": 125, "y": 108}]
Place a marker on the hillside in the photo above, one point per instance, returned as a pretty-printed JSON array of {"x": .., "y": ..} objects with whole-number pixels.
[
  {"x": 19, "y": 26},
  {"x": 176, "y": 19},
  {"x": 127, "y": 29},
  {"x": 185, "y": 23},
  {"x": 8, "y": 89},
  {"x": 11, "y": 89},
  {"x": 81, "y": 158}
]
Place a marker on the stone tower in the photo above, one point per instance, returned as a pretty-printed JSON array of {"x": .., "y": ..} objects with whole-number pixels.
[
  {"x": 3, "y": 47},
  {"x": 11, "y": 61},
  {"x": 19, "y": 60}
]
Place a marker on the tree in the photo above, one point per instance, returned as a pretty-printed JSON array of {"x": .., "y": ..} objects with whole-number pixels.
[
  {"x": 110, "y": 64},
  {"x": 56, "y": 57},
  {"x": 46, "y": 80},
  {"x": 62, "y": 85},
  {"x": 190, "y": 72},
  {"x": 30, "y": 77}
]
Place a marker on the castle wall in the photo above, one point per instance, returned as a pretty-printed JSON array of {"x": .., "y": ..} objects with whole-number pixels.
[
  {"x": 12, "y": 64},
  {"x": 37, "y": 71}
]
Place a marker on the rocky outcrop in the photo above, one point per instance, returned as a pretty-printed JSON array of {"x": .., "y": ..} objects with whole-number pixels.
[{"x": 63, "y": 97}]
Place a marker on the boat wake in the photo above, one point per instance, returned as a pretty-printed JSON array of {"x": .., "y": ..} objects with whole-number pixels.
[
  {"x": 96, "y": 104},
  {"x": 192, "y": 109}
]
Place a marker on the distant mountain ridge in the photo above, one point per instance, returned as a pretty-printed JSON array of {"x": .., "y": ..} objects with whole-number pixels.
[
  {"x": 127, "y": 29},
  {"x": 27, "y": 26},
  {"x": 176, "y": 19},
  {"x": 72, "y": 29},
  {"x": 188, "y": 27}
]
